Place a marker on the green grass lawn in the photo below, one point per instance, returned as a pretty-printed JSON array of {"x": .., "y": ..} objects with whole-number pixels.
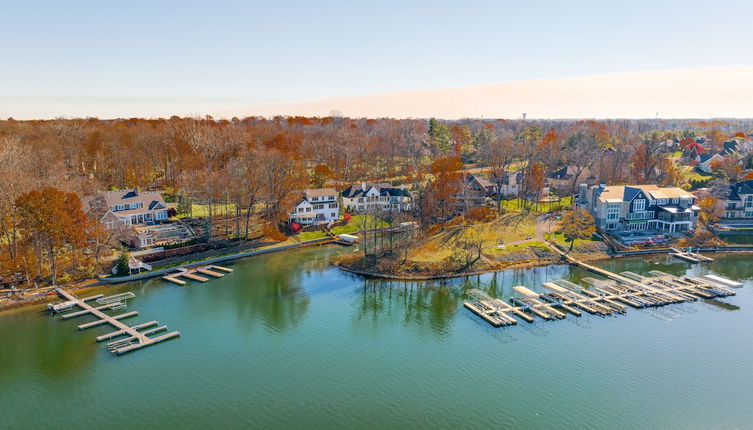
[
  {"x": 564, "y": 243},
  {"x": 516, "y": 205},
  {"x": 353, "y": 226},
  {"x": 202, "y": 211},
  {"x": 690, "y": 174}
]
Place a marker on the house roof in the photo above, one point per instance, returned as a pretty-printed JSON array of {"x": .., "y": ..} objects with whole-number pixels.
[
  {"x": 356, "y": 190},
  {"x": 624, "y": 193},
  {"x": 481, "y": 181},
  {"x": 150, "y": 200},
  {"x": 743, "y": 187},
  {"x": 383, "y": 189},
  {"x": 320, "y": 192}
]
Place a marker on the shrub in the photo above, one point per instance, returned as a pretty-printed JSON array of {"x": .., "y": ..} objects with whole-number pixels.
[
  {"x": 273, "y": 233},
  {"x": 480, "y": 214}
]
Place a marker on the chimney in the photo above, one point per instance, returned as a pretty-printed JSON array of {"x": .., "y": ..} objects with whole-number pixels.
[
  {"x": 582, "y": 192},
  {"x": 363, "y": 186}
]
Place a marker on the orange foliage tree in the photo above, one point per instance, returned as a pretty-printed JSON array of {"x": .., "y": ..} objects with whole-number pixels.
[{"x": 53, "y": 223}]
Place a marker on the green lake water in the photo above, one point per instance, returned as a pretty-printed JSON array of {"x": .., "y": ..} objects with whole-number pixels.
[{"x": 287, "y": 342}]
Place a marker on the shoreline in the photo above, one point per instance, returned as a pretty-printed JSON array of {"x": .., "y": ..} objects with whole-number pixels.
[
  {"x": 9, "y": 303},
  {"x": 41, "y": 296},
  {"x": 527, "y": 265}
]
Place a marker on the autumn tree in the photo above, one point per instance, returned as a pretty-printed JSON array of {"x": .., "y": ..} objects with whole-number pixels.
[
  {"x": 498, "y": 154},
  {"x": 467, "y": 247},
  {"x": 440, "y": 198},
  {"x": 577, "y": 224},
  {"x": 54, "y": 223}
]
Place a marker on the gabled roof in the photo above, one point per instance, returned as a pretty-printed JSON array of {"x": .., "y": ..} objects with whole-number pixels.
[
  {"x": 480, "y": 180},
  {"x": 319, "y": 192},
  {"x": 383, "y": 189},
  {"x": 357, "y": 190},
  {"x": 742, "y": 187},
  {"x": 706, "y": 157},
  {"x": 150, "y": 200}
]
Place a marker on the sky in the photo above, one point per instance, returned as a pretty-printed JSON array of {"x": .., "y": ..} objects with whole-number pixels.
[{"x": 158, "y": 58}]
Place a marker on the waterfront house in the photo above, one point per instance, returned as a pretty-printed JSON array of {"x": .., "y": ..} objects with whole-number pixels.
[
  {"x": 640, "y": 207},
  {"x": 132, "y": 207},
  {"x": 364, "y": 197},
  {"x": 316, "y": 206},
  {"x": 738, "y": 205},
  {"x": 473, "y": 191}
]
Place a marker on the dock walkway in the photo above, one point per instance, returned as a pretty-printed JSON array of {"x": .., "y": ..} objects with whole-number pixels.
[
  {"x": 605, "y": 297},
  {"x": 135, "y": 340}
]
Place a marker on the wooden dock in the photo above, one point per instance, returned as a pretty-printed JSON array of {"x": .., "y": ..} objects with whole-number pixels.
[
  {"x": 135, "y": 339},
  {"x": 605, "y": 297},
  {"x": 689, "y": 256},
  {"x": 193, "y": 274}
]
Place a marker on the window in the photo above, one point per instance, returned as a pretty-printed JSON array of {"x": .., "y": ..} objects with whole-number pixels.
[
  {"x": 333, "y": 215},
  {"x": 313, "y": 199},
  {"x": 749, "y": 201},
  {"x": 332, "y": 205},
  {"x": 639, "y": 205},
  {"x": 748, "y": 214},
  {"x": 121, "y": 207}
]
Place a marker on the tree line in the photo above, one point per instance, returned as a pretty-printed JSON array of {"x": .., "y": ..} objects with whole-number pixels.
[{"x": 52, "y": 169}]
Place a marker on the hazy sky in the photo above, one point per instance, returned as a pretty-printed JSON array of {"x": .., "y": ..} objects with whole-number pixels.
[{"x": 148, "y": 58}]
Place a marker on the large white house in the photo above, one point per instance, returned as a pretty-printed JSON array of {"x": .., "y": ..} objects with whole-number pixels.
[
  {"x": 133, "y": 207},
  {"x": 640, "y": 207},
  {"x": 317, "y": 206},
  {"x": 360, "y": 198}
]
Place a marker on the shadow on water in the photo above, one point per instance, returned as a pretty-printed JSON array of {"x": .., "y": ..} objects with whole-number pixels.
[{"x": 722, "y": 305}]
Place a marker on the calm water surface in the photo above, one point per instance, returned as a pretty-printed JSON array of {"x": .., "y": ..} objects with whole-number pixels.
[{"x": 288, "y": 342}]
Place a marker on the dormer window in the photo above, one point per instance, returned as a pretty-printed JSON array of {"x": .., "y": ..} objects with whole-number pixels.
[{"x": 121, "y": 207}]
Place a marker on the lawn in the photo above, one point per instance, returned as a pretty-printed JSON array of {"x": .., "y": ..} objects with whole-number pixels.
[
  {"x": 508, "y": 228},
  {"x": 690, "y": 174},
  {"x": 201, "y": 211},
  {"x": 564, "y": 243},
  {"x": 516, "y": 205},
  {"x": 353, "y": 226}
]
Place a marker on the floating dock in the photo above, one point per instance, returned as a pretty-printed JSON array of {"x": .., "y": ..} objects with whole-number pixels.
[
  {"x": 689, "y": 256},
  {"x": 135, "y": 339},
  {"x": 604, "y": 297},
  {"x": 213, "y": 271}
]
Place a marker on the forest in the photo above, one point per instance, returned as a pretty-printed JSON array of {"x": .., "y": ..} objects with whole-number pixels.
[{"x": 52, "y": 169}]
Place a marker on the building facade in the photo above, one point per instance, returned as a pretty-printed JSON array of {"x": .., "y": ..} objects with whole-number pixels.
[
  {"x": 365, "y": 197},
  {"x": 317, "y": 206},
  {"x": 739, "y": 202},
  {"x": 126, "y": 208},
  {"x": 640, "y": 207}
]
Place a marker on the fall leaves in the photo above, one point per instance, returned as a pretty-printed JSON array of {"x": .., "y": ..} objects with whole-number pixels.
[{"x": 52, "y": 222}]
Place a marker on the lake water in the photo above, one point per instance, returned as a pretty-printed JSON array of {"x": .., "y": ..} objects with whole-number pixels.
[{"x": 287, "y": 341}]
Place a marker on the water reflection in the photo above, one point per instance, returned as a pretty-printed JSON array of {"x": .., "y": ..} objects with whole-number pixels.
[
  {"x": 411, "y": 304},
  {"x": 56, "y": 350}
]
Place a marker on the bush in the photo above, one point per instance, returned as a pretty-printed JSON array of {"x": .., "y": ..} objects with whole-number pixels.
[
  {"x": 273, "y": 233},
  {"x": 480, "y": 214}
]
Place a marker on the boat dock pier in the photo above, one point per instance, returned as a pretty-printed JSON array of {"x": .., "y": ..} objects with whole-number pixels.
[
  {"x": 689, "y": 256},
  {"x": 603, "y": 297},
  {"x": 135, "y": 339},
  {"x": 193, "y": 274}
]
